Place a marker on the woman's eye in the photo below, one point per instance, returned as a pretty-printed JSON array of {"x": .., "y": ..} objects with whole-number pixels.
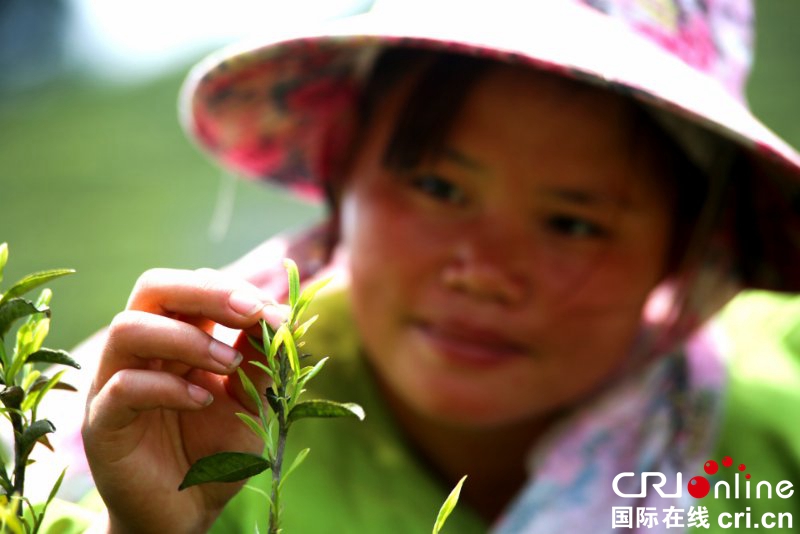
[
  {"x": 575, "y": 226},
  {"x": 438, "y": 188}
]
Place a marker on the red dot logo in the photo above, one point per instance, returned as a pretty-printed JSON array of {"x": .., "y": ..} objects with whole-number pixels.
[
  {"x": 698, "y": 487},
  {"x": 711, "y": 467},
  {"x": 727, "y": 461},
  {"x": 742, "y": 467}
]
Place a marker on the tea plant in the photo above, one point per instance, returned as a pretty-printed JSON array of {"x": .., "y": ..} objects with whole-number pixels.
[
  {"x": 448, "y": 506},
  {"x": 23, "y": 387},
  {"x": 283, "y": 406}
]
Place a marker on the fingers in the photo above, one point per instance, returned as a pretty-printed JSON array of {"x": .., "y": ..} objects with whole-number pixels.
[
  {"x": 139, "y": 340},
  {"x": 205, "y": 293},
  {"x": 133, "y": 391},
  {"x": 165, "y": 328}
]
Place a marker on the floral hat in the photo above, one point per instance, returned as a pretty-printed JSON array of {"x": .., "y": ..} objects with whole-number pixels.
[{"x": 282, "y": 109}]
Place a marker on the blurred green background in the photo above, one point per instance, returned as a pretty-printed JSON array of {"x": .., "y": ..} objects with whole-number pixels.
[{"x": 99, "y": 177}]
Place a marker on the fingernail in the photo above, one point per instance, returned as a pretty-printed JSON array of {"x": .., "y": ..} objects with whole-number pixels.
[
  {"x": 224, "y": 355},
  {"x": 245, "y": 303},
  {"x": 200, "y": 395}
]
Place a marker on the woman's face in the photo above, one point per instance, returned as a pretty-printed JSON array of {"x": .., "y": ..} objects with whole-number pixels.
[{"x": 506, "y": 278}]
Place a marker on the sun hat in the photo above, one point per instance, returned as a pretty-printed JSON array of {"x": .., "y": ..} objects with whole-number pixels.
[{"x": 282, "y": 108}]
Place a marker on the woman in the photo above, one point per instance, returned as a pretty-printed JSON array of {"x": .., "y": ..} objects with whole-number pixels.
[{"x": 526, "y": 229}]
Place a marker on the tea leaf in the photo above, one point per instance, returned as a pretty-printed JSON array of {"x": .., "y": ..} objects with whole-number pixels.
[
  {"x": 32, "y": 434},
  {"x": 308, "y": 295},
  {"x": 17, "y": 308},
  {"x": 224, "y": 467},
  {"x": 254, "y": 426},
  {"x": 267, "y": 333},
  {"x": 291, "y": 350},
  {"x": 44, "y": 440},
  {"x": 9, "y": 520},
  {"x": 61, "y": 386},
  {"x": 325, "y": 408},
  {"x": 448, "y": 506},
  {"x": 294, "y": 282},
  {"x": 50, "y": 498},
  {"x": 256, "y": 344},
  {"x": 5, "y": 483},
  {"x": 3, "y": 258},
  {"x": 301, "y": 330},
  {"x": 32, "y": 401},
  {"x": 310, "y": 372},
  {"x": 251, "y": 391},
  {"x": 277, "y": 340},
  {"x": 297, "y": 461},
  {"x": 12, "y": 396},
  {"x": 53, "y": 356},
  {"x": 32, "y": 281},
  {"x": 264, "y": 368},
  {"x": 31, "y": 380}
]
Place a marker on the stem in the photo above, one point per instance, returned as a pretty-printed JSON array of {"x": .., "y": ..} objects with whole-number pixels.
[
  {"x": 274, "y": 517},
  {"x": 283, "y": 431},
  {"x": 19, "y": 461}
]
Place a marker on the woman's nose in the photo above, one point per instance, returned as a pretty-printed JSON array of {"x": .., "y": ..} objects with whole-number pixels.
[{"x": 485, "y": 269}]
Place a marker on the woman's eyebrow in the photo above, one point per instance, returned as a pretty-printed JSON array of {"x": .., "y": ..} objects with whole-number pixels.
[
  {"x": 584, "y": 197},
  {"x": 459, "y": 158}
]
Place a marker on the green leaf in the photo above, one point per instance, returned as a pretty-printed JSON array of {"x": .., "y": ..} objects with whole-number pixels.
[
  {"x": 30, "y": 380},
  {"x": 3, "y": 258},
  {"x": 294, "y": 282},
  {"x": 7, "y": 486},
  {"x": 326, "y": 408},
  {"x": 32, "y": 401},
  {"x": 254, "y": 426},
  {"x": 264, "y": 368},
  {"x": 277, "y": 340},
  {"x": 256, "y": 344},
  {"x": 311, "y": 372},
  {"x": 259, "y": 491},
  {"x": 50, "y": 498},
  {"x": 32, "y": 281},
  {"x": 61, "y": 386},
  {"x": 32, "y": 434},
  {"x": 301, "y": 330},
  {"x": 12, "y": 396},
  {"x": 308, "y": 295},
  {"x": 267, "y": 333},
  {"x": 291, "y": 350},
  {"x": 251, "y": 391},
  {"x": 224, "y": 467},
  {"x": 448, "y": 506},
  {"x": 11, "y": 310},
  {"x": 53, "y": 356},
  {"x": 297, "y": 461}
]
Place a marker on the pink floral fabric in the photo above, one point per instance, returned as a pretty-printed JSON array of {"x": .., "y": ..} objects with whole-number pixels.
[{"x": 713, "y": 36}]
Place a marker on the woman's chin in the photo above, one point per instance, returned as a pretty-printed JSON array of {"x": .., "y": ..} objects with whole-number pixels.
[{"x": 471, "y": 396}]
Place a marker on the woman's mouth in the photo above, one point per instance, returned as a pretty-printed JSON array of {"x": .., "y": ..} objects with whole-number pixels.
[{"x": 470, "y": 345}]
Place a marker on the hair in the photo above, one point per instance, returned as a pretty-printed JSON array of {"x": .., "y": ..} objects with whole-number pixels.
[{"x": 444, "y": 81}]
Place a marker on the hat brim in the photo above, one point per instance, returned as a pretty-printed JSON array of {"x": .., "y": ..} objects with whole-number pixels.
[{"x": 275, "y": 109}]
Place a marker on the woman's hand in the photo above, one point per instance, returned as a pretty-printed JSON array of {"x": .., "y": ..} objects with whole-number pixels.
[{"x": 164, "y": 396}]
